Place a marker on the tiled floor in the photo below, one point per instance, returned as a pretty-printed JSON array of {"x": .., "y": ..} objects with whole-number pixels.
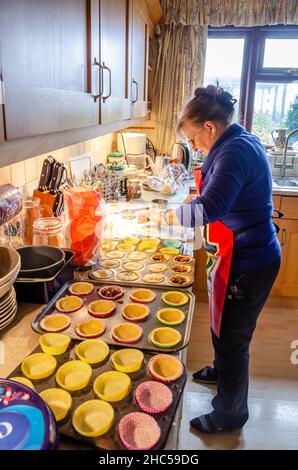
[{"x": 273, "y": 395}]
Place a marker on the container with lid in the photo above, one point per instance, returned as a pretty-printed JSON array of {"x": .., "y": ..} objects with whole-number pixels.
[
  {"x": 27, "y": 423},
  {"x": 116, "y": 158},
  {"x": 48, "y": 231},
  {"x": 134, "y": 188}
]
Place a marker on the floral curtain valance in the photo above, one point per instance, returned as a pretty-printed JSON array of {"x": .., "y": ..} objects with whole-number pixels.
[{"x": 230, "y": 12}]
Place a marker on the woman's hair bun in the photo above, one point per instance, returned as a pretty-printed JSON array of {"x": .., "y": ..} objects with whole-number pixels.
[
  {"x": 215, "y": 93},
  {"x": 212, "y": 103}
]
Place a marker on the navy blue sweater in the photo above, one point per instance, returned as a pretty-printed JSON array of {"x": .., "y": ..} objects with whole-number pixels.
[{"x": 237, "y": 190}]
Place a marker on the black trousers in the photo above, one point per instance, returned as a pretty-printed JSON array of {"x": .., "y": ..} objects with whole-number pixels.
[{"x": 245, "y": 298}]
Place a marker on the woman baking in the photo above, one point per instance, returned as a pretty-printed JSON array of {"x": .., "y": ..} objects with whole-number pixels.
[{"x": 234, "y": 194}]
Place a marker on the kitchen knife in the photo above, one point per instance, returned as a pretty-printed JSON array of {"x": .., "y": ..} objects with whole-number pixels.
[
  {"x": 46, "y": 172},
  {"x": 58, "y": 178}
]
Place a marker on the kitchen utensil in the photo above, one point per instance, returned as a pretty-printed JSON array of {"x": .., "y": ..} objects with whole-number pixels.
[
  {"x": 181, "y": 153},
  {"x": 8, "y": 308},
  {"x": 10, "y": 263},
  {"x": 58, "y": 178},
  {"x": 40, "y": 261},
  {"x": 44, "y": 181},
  {"x": 41, "y": 291}
]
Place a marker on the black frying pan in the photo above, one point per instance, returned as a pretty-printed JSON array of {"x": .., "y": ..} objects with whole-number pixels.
[{"x": 40, "y": 261}]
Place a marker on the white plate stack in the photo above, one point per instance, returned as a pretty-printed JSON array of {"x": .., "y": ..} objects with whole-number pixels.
[{"x": 8, "y": 308}]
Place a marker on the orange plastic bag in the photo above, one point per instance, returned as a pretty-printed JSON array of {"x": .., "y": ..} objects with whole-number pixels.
[{"x": 85, "y": 214}]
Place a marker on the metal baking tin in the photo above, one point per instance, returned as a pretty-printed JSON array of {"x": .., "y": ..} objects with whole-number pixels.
[
  {"x": 41, "y": 291},
  {"x": 110, "y": 440},
  {"x": 116, "y": 318},
  {"x": 142, "y": 272}
]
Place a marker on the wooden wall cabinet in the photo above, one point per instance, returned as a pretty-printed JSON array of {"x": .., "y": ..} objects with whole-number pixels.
[
  {"x": 115, "y": 54},
  {"x": 73, "y": 68},
  {"x": 287, "y": 280},
  {"x": 140, "y": 52},
  {"x": 47, "y": 49}
]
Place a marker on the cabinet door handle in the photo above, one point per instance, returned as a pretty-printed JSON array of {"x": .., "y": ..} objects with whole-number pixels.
[
  {"x": 283, "y": 237},
  {"x": 100, "y": 70},
  {"x": 105, "y": 67},
  {"x": 137, "y": 91}
]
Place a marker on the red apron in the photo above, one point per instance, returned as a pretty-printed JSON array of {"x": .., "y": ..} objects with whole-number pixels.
[{"x": 218, "y": 243}]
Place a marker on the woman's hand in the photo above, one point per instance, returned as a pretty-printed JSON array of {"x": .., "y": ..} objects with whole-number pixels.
[
  {"x": 149, "y": 216},
  {"x": 191, "y": 197}
]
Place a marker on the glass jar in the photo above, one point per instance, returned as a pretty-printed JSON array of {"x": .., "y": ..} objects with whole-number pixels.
[
  {"x": 48, "y": 231},
  {"x": 134, "y": 189}
]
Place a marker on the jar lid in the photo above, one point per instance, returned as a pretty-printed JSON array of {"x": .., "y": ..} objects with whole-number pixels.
[
  {"x": 47, "y": 225},
  {"x": 26, "y": 421},
  {"x": 115, "y": 154}
]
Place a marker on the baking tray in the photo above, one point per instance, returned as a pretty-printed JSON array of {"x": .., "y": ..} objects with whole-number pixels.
[
  {"x": 117, "y": 318},
  {"x": 41, "y": 291},
  {"x": 110, "y": 441},
  {"x": 140, "y": 281}
]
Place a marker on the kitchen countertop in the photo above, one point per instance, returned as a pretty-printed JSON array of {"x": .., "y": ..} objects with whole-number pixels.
[{"x": 276, "y": 190}]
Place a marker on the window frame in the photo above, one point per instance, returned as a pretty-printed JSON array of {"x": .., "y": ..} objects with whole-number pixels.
[{"x": 253, "y": 70}]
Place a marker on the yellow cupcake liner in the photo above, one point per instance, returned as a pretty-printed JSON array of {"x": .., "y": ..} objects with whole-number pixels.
[
  {"x": 154, "y": 241},
  {"x": 112, "y": 386},
  {"x": 54, "y": 343},
  {"x": 131, "y": 240},
  {"x": 38, "y": 366},
  {"x": 74, "y": 375},
  {"x": 170, "y": 316},
  {"x": 92, "y": 351},
  {"x": 169, "y": 251},
  {"x": 127, "y": 360},
  {"x": 23, "y": 381},
  {"x": 93, "y": 418},
  {"x": 164, "y": 337},
  {"x": 147, "y": 246},
  {"x": 126, "y": 247},
  {"x": 58, "y": 400}
]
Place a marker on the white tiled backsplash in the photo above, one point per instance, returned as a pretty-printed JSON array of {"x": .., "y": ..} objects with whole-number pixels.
[{"x": 25, "y": 175}]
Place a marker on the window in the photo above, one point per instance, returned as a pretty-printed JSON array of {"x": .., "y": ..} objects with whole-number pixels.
[
  {"x": 259, "y": 66},
  {"x": 219, "y": 67}
]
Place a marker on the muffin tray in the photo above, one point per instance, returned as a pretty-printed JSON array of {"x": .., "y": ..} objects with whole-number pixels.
[
  {"x": 144, "y": 270},
  {"x": 110, "y": 440},
  {"x": 116, "y": 318}
]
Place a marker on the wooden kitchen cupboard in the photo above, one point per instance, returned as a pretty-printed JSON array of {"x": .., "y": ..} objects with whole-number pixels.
[
  {"x": 47, "y": 49},
  {"x": 287, "y": 280},
  {"x": 140, "y": 53},
  {"x": 115, "y": 60}
]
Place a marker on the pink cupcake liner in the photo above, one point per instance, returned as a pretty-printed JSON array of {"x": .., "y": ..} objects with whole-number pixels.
[
  {"x": 153, "y": 397},
  {"x": 139, "y": 431}
]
